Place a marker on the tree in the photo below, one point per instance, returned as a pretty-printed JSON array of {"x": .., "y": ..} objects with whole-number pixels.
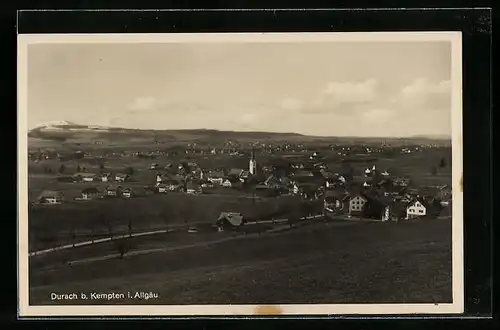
[
  {"x": 123, "y": 246},
  {"x": 78, "y": 168},
  {"x": 62, "y": 168},
  {"x": 295, "y": 215},
  {"x": 129, "y": 170},
  {"x": 442, "y": 163},
  {"x": 101, "y": 166}
]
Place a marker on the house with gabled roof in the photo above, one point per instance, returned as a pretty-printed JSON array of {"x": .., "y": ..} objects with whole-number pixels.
[
  {"x": 423, "y": 207},
  {"x": 90, "y": 193},
  {"x": 216, "y": 177},
  {"x": 50, "y": 197},
  {"x": 356, "y": 203},
  {"x": 113, "y": 191},
  {"x": 121, "y": 177},
  {"x": 84, "y": 177},
  {"x": 193, "y": 187},
  {"x": 127, "y": 192},
  {"x": 229, "y": 220},
  {"x": 105, "y": 177},
  {"x": 333, "y": 200}
]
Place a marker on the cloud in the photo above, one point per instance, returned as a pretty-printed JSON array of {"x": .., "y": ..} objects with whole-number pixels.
[
  {"x": 422, "y": 94},
  {"x": 338, "y": 97}
]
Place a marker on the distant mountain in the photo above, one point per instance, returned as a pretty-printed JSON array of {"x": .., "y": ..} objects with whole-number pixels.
[
  {"x": 72, "y": 132},
  {"x": 432, "y": 137}
]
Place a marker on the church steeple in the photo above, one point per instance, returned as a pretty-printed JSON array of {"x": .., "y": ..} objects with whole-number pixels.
[{"x": 252, "y": 165}]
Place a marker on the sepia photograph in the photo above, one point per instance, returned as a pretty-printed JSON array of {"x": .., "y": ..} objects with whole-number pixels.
[{"x": 240, "y": 174}]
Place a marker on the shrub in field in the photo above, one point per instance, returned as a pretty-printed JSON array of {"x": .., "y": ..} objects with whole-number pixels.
[{"x": 123, "y": 246}]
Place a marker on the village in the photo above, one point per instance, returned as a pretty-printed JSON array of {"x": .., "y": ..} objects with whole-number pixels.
[{"x": 342, "y": 192}]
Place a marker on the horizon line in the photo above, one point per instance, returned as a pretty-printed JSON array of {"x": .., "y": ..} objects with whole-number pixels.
[{"x": 415, "y": 136}]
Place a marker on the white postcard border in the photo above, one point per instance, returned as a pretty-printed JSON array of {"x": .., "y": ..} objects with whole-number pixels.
[{"x": 25, "y": 310}]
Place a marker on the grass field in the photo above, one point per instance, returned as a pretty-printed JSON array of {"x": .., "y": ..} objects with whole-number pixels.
[
  {"x": 406, "y": 262},
  {"x": 51, "y": 226}
]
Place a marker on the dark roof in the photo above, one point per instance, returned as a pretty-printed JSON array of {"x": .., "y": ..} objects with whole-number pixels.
[
  {"x": 399, "y": 208},
  {"x": 51, "y": 193},
  {"x": 192, "y": 185},
  {"x": 216, "y": 174},
  {"x": 235, "y": 171},
  {"x": 422, "y": 201}
]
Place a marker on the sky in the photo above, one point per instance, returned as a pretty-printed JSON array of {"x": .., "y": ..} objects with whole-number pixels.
[{"x": 323, "y": 89}]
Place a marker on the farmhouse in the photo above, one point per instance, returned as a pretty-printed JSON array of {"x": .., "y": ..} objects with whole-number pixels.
[
  {"x": 193, "y": 188},
  {"x": 333, "y": 200},
  {"x": 207, "y": 184},
  {"x": 216, "y": 177},
  {"x": 105, "y": 177},
  {"x": 172, "y": 185},
  {"x": 162, "y": 188},
  {"x": 126, "y": 192},
  {"x": 84, "y": 177},
  {"x": 90, "y": 193},
  {"x": 229, "y": 220},
  {"x": 416, "y": 208},
  {"x": 231, "y": 183},
  {"x": 113, "y": 191},
  {"x": 120, "y": 177},
  {"x": 356, "y": 203},
  {"x": 50, "y": 197}
]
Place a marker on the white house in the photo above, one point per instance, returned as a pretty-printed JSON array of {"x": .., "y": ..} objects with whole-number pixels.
[
  {"x": 50, "y": 197},
  {"x": 90, "y": 193},
  {"x": 162, "y": 188},
  {"x": 127, "y": 192},
  {"x": 416, "y": 208},
  {"x": 105, "y": 177}
]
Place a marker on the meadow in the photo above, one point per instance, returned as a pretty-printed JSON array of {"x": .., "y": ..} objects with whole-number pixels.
[{"x": 406, "y": 262}]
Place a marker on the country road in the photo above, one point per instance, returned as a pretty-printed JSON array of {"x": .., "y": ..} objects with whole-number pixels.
[{"x": 181, "y": 227}]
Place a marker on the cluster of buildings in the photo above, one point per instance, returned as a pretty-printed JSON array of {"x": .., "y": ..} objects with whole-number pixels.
[{"x": 373, "y": 194}]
